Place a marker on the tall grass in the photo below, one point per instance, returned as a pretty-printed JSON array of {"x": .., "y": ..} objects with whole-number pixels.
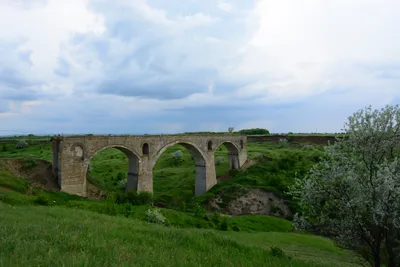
[{"x": 53, "y": 236}]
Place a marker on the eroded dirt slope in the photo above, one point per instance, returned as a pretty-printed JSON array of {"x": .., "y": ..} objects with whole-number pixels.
[{"x": 39, "y": 174}]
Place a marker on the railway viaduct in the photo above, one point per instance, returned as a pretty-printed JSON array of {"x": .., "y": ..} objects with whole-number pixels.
[{"x": 72, "y": 155}]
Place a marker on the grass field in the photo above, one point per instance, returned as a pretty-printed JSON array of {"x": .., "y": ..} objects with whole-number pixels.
[{"x": 54, "y": 236}]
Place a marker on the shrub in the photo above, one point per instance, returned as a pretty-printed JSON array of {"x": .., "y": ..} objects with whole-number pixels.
[
  {"x": 308, "y": 147},
  {"x": 183, "y": 206},
  {"x": 224, "y": 226},
  {"x": 155, "y": 216},
  {"x": 121, "y": 176},
  {"x": 177, "y": 156},
  {"x": 219, "y": 160},
  {"x": 21, "y": 144},
  {"x": 277, "y": 252},
  {"x": 127, "y": 209},
  {"x": 199, "y": 211},
  {"x": 123, "y": 183},
  {"x": 42, "y": 200},
  {"x": 144, "y": 198},
  {"x": 236, "y": 228},
  {"x": 283, "y": 143},
  {"x": 4, "y": 148},
  {"x": 134, "y": 198},
  {"x": 216, "y": 218}
]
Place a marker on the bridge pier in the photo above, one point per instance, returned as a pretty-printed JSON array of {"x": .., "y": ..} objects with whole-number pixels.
[
  {"x": 145, "y": 179},
  {"x": 234, "y": 163}
]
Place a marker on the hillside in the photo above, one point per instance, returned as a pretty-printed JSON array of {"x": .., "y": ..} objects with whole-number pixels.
[
  {"x": 54, "y": 236},
  {"x": 69, "y": 226}
]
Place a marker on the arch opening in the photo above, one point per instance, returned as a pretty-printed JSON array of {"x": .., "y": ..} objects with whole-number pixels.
[
  {"x": 145, "y": 149},
  {"x": 179, "y": 172},
  {"x": 226, "y": 158},
  {"x": 112, "y": 168},
  {"x": 209, "y": 145}
]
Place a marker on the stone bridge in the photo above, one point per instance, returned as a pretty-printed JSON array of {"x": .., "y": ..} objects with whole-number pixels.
[{"x": 72, "y": 155}]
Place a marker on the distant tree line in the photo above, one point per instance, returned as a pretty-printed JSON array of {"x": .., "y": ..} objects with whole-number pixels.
[{"x": 254, "y": 131}]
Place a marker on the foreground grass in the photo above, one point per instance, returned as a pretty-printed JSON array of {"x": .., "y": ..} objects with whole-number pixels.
[{"x": 54, "y": 236}]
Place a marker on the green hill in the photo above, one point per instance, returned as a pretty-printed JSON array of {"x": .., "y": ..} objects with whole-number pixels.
[{"x": 55, "y": 236}]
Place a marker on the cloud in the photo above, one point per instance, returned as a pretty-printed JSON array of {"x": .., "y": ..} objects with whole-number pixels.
[{"x": 163, "y": 66}]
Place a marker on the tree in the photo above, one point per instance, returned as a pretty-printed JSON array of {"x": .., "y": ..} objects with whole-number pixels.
[
  {"x": 230, "y": 129},
  {"x": 254, "y": 131},
  {"x": 353, "y": 193}
]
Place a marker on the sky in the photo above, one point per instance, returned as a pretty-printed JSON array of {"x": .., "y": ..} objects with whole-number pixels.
[{"x": 156, "y": 66}]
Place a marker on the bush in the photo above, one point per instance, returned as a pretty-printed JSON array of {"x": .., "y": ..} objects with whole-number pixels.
[
  {"x": 219, "y": 161},
  {"x": 155, "y": 216},
  {"x": 277, "y": 252},
  {"x": 199, "y": 211},
  {"x": 283, "y": 143},
  {"x": 308, "y": 147},
  {"x": 134, "y": 198},
  {"x": 236, "y": 228},
  {"x": 121, "y": 176},
  {"x": 4, "y": 148},
  {"x": 21, "y": 144},
  {"x": 224, "y": 226},
  {"x": 143, "y": 198},
  {"x": 42, "y": 200},
  {"x": 216, "y": 218},
  {"x": 123, "y": 183},
  {"x": 177, "y": 156}
]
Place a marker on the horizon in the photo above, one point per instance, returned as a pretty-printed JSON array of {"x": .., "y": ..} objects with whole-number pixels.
[{"x": 149, "y": 66}]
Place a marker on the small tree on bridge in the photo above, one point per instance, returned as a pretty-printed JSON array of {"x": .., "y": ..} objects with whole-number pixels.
[{"x": 353, "y": 193}]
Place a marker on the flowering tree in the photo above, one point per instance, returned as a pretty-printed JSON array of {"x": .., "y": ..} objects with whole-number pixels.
[{"x": 353, "y": 193}]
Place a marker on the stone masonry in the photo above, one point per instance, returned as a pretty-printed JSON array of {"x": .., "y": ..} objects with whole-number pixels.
[{"x": 72, "y": 154}]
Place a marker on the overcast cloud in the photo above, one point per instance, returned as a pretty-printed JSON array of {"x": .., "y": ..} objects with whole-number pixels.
[{"x": 155, "y": 66}]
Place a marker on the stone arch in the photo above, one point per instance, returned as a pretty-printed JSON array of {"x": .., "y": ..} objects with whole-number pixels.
[
  {"x": 133, "y": 164},
  {"x": 232, "y": 147},
  {"x": 233, "y": 154},
  {"x": 199, "y": 161}
]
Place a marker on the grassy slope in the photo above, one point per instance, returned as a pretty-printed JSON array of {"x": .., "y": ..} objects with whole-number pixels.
[
  {"x": 38, "y": 236},
  {"x": 17, "y": 191}
]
